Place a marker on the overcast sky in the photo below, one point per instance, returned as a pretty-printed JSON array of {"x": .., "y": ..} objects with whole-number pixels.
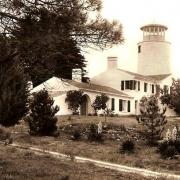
[{"x": 133, "y": 14}]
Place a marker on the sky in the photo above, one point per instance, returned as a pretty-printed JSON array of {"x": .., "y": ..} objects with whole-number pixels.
[{"x": 133, "y": 14}]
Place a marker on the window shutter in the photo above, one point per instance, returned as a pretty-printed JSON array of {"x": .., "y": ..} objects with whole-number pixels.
[
  {"x": 122, "y": 85},
  {"x": 152, "y": 88},
  {"x": 138, "y": 85},
  {"x": 129, "y": 106},
  {"x": 113, "y": 104},
  {"x": 120, "y": 105}
]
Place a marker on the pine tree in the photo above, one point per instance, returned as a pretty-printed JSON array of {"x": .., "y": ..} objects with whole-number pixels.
[
  {"x": 14, "y": 89},
  {"x": 152, "y": 119},
  {"x": 42, "y": 120}
]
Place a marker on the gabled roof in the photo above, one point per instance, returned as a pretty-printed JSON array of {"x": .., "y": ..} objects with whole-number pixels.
[
  {"x": 97, "y": 88},
  {"x": 160, "y": 76},
  {"x": 57, "y": 87},
  {"x": 137, "y": 76},
  {"x": 146, "y": 77}
]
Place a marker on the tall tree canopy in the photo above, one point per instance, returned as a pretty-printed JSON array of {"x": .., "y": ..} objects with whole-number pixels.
[{"x": 50, "y": 34}]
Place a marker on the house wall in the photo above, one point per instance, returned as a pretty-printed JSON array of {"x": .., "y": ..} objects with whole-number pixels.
[{"x": 60, "y": 101}]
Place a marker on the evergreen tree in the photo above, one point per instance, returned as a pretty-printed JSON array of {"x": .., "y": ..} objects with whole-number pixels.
[
  {"x": 42, "y": 120},
  {"x": 50, "y": 34},
  {"x": 14, "y": 90},
  {"x": 152, "y": 119}
]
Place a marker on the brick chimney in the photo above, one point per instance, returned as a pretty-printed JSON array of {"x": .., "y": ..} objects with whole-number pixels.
[{"x": 112, "y": 63}]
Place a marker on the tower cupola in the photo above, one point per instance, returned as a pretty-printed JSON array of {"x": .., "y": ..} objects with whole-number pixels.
[{"x": 154, "y": 32}]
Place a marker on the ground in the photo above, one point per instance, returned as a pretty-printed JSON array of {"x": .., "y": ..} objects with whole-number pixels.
[
  {"x": 20, "y": 164},
  {"x": 144, "y": 156}
]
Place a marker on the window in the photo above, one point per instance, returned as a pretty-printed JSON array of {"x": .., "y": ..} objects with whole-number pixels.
[
  {"x": 152, "y": 88},
  {"x": 138, "y": 85},
  {"x": 122, "y": 85},
  {"x": 112, "y": 104},
  {"x": 145, "y": 87},
  {"x": 122, "y": 105},
  {"x": 129, "y": 106},
  {"x": 139, "y": 49},
  {"x": 127, "y": 84}
]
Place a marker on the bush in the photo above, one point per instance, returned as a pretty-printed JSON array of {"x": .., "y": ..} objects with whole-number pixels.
[
  {"x": 167, "y": 149},
  {"x": 93, "y": 134},
  {"x": 42, "y": 120},
  {"x": 76, "y": 135},
  {"x": 127, "y": 145},
  {"x": 74, "y": 98},
  {"x": 5, "y": 136}
]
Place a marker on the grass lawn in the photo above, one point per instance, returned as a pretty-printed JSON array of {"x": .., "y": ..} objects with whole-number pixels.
[
  {"x": 23, "y": 165},
  {"x": 144, "y": 156}
]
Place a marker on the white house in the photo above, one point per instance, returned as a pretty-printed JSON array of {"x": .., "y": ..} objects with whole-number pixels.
[
  {"x": 124, "y": 88},
  {"x": 59, "y": 87}
]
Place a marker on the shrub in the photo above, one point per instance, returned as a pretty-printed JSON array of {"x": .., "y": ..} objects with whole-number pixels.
[
  {"x": 5, "y": 136},
  {"x": 76, "y": 134},
  {"x": 127, "y": 145},
  {"x": 74, "y": 98},
  {"x": 93, "y": 134},
  {"x": 100, "y": 102},
  {"x": 42, "y": 120},
  {"x": 167, "y": 149},
  {"x": 170, "y": 145}
]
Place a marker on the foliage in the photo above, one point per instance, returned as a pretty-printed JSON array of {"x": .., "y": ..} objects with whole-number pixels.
[
  {"x": 14, "y": 88},
  {"x": 5, "y": 135},
  {"x": 74, "y": 98},
  {"x": 100, "y": 102},
  {"x": 42, "y": 120},
  {"x": 151, "y": 119},
  {"x": 167, "y": 149},
  {"x": 170, "y": 146},
  {"x": 172, "y": 98},
  {"x": 55, "y": 31},
  {"x": 127, "y": 145},
  {"x": 76, "y": 134},
  {"x": 93, "y": 134}
]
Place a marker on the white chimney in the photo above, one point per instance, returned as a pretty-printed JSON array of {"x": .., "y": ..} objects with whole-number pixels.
[{"x": 112, "y": 62}]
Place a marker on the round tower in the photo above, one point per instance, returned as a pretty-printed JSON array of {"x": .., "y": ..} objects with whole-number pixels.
[{"x": 154, "y": 51}]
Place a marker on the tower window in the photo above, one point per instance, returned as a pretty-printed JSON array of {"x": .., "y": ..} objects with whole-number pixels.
[{"x": 139, "y": 49}]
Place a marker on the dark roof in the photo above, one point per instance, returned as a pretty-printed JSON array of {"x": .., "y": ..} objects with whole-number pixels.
[
  {"x": 96, "y": 88},
  {"x": 160, "y": 76},
  {"x": 154, "y": 25}
]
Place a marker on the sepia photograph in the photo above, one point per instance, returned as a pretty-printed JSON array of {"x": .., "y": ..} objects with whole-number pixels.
[{"x": 89, "y": 90}]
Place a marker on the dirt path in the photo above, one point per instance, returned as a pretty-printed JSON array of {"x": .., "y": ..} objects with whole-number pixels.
[{"x": 117, "y": 167}]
